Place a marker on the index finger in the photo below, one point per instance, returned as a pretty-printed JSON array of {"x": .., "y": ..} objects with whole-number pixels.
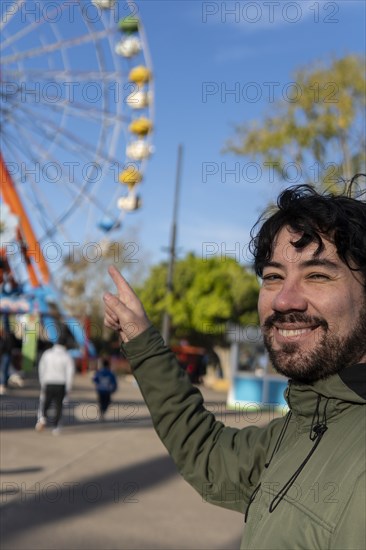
[{"x": 121, "y": 284}]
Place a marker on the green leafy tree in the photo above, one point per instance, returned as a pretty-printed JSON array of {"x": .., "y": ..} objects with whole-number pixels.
[
  {"x": 207, "y": 294},
  {"x": 320, "y": 126}
]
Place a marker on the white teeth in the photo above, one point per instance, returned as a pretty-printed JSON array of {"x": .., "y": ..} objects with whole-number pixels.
[{"x": 293, "y": 332}]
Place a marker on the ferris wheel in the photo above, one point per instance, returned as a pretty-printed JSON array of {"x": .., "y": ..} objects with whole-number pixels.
[{"x": 77, "y": 119}]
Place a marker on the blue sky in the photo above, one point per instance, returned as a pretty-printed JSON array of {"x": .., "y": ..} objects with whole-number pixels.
[
  {"x": 216, "y": 65},
  {"x": 201, "y": 51}
]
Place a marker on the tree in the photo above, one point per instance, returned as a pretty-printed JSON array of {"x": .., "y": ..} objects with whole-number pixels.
[
  {"x": 320, "y": 126},
  {"x": 207, "y": 295}
]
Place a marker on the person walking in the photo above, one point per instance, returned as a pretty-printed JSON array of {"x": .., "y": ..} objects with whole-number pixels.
[
  {"x": 300, "y": 481},
  {"x": 105, "y": 383},
  {"x": 56, "y": 371}
]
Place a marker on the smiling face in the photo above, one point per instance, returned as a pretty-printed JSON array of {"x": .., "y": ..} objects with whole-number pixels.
[{"x": 312, "y": 310}]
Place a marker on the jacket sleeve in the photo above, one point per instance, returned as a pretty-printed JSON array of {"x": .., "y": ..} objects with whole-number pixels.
[{"x": 222, "y": 463}]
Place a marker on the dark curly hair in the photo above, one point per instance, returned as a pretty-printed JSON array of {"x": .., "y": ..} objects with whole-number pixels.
[{"x": 341, "y": 218}]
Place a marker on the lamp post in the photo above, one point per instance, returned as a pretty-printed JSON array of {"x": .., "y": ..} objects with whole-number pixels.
[
  {"x": 172, "y": 248},
  {"x": 85, "y": 351}
]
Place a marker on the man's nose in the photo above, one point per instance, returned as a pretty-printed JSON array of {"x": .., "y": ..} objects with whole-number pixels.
[{"x": 289, "y": 298}]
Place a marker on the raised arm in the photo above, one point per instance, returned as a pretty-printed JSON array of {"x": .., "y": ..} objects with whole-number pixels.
[{"x": 221, "y": 463}]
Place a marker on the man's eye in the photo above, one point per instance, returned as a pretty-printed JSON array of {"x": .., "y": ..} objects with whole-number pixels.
[
  {"x": 318, "y": 276},
  {"x": 272, "y": 277}
]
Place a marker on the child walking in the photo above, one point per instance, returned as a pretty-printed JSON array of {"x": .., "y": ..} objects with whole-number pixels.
[{"x": 105, "y": 384}]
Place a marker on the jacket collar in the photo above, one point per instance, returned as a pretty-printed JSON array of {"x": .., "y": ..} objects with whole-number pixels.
[
  {"x": 355, "y": 379},
  {"x": 337, "y": 392}
]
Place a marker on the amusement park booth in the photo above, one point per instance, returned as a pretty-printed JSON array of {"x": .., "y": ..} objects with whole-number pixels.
[
  {"x": 34, "y": 319},
  {"x": 253, "y": 381}
]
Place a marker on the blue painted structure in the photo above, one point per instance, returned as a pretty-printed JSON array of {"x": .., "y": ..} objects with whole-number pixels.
[
  {"x": 255, "y": 386},
  {"x": 264, "y": 390}
]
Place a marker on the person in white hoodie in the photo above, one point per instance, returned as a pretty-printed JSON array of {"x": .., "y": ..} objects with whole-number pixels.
[{"x": 56, "y": 373}]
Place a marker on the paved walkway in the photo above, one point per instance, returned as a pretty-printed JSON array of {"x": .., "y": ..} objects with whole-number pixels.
[{"x": 105, "y": 485}]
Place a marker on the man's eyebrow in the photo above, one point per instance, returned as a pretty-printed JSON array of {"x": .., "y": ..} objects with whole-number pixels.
[
  {"x": 270, "y": 263},
  {"x": 320, "y": 262},
  {"x": 313, "y": 262}
]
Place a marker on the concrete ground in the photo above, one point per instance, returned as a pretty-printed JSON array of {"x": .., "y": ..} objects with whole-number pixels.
[{"x": 107, "y": 485}]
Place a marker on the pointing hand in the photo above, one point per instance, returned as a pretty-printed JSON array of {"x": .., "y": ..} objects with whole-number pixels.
[{"x": 123, "y": 311}]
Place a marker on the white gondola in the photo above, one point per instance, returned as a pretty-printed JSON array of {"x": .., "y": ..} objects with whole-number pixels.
[
  {"x": 138, "y": 150},
  {"x": 104, "y": 4},
  {"x": 128, "y": 47},
  {"x": 138, "y": 100},
  {"x": 129, "y": 203}
]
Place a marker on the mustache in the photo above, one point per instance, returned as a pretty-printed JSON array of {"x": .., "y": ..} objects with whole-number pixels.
[{"x": 294, "y": 317}]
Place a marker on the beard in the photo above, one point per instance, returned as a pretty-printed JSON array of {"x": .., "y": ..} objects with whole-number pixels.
[{"x": 329, "y": 356}]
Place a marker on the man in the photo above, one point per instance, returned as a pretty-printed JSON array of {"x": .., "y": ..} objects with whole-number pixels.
[
  {"x": 56, "y": 372},
  {"x": 300, "y": 481}
]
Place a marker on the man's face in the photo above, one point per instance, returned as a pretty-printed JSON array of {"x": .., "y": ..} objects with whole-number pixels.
[{"x": 312, "y": 310}]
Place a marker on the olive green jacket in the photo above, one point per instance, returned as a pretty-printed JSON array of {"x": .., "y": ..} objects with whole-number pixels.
[{"x": 300, "y": 481}]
